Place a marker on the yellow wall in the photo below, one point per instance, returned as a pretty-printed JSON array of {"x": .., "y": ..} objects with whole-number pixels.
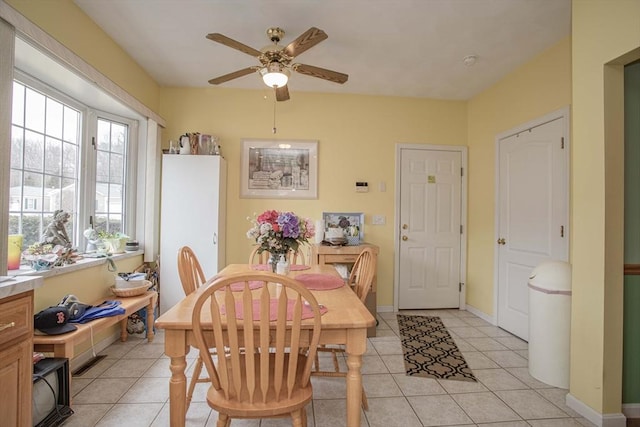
[
  {"x": 357, "y": 136},
  {"x": 602, "y": 31},
  {"x": 540, "y": 86},
  {"x": 68, "y": 24}
]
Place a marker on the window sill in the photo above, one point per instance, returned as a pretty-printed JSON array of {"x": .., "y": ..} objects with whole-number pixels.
[{"x": 79, "y": 265}]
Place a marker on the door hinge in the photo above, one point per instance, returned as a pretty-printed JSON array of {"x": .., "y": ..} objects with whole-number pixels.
[
  {"x": 93, "y": 142},
  {"x": 461, "y": 229},
  {"x": 460, "y": 285},
  {"x": 461, "y": 171},
  {"x": 562, "y": 231},
  {"x": 562, "y": 143}
]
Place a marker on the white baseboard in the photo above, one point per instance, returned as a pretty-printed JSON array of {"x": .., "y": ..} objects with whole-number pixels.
[
  {"x": 600, "y": 420},
  {"x": 480, "y": 314},
  {"x": 385, "y": 309},
  {"x": 83, "y": 358},
  {"x": 631, "y": 410}
]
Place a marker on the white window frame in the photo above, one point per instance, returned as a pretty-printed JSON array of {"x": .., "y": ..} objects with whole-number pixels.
[{"x": 85, "y": 203}]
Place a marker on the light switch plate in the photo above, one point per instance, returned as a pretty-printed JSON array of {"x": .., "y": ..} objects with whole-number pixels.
[{"x": 378, "y": 220}]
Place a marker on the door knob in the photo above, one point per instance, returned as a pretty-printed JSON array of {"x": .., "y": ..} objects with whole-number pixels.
[
  {"x": 405, "y": 226},
  {"x": 501, "y": 241},
  {"x": 405, "y": 238}
]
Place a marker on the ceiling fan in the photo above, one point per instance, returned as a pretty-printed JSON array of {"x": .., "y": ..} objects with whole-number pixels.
[{"x": 276, "y": 60}]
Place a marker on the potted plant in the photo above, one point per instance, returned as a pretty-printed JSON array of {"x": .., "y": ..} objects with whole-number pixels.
[{"x": 114, "y": 242}]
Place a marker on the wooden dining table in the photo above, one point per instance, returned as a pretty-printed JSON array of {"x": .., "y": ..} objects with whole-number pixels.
[{"x": 345, "y": 322}]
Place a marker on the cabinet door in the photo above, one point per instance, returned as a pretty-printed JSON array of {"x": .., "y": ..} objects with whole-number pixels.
[
  {"x": 15, "y": 376},
  {"x": 192, "y": 214}
]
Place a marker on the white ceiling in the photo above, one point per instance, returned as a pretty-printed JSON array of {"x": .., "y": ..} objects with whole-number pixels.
[{"x": 387, "y": 47}]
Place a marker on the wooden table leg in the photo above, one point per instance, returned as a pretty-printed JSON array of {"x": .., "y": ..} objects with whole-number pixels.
[
  {"x": 175, "y": 346},
  {"x": 150, "y": 321},
  {"x": 355, "y": 348}
]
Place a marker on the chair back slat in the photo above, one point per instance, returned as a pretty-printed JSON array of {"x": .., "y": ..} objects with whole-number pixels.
[
  {"x": 249, "y": 356},
  {"x": 189, "y": 270},
  {"x": 258, "y": 359},
  {"x": 265, "y": 342},
  {"x": 361, "y": 277}
]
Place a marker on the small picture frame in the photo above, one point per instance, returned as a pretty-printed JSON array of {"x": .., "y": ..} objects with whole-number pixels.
[
  {"x": 351, "y": 224},
  {"x": 279, "y": 169}
]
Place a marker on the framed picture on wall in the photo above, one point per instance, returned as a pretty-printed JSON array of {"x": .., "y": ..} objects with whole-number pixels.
[{"x": 273, "y": 168}]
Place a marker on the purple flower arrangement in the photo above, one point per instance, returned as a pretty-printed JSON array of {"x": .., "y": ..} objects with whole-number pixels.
[{"x": 279, "y": 232}]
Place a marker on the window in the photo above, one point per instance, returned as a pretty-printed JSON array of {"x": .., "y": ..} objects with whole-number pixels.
[
  {"x": 111, "y": 143},
  {"x": 45, "y": 146},
  {"x": 54, "y": 166}
]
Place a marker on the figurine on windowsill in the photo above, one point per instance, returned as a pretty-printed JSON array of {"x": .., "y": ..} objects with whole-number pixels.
[{"x": 55, "y": 233}]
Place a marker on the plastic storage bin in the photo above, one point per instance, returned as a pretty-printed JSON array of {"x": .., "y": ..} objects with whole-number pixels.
[{"x": 550, "y": 323}]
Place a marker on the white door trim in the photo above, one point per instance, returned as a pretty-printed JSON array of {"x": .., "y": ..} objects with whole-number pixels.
[
  {"x": 563, "y": 113},
  {"x": 463, "y": 216}
]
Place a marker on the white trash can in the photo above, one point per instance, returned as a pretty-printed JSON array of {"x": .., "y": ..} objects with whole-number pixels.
[{"x": 550, "y": 323}]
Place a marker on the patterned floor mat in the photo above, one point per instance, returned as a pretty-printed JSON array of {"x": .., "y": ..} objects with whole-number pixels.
[{"x": 429, "y": 350}]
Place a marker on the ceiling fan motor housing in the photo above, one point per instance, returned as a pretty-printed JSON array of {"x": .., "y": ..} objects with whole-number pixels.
[{"x": 275, "y": 34}]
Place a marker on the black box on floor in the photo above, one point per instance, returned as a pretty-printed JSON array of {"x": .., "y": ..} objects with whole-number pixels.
[{"x": 51, "y": 392}]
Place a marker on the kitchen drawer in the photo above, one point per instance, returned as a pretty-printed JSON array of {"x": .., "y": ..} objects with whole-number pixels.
[
  {"x": 339, "y": 258},
  {"x": 16, "y": 318}
]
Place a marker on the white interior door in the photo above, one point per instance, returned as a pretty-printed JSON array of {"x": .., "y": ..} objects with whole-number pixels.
[
  {"x": 533, "y": 215},
  {"x": 428, "y": 270}
]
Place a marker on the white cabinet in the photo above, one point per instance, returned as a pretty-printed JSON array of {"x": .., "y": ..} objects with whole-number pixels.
[{"x": 192, "y": 214}]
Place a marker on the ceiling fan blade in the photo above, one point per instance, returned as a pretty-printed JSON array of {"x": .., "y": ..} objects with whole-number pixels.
[
  {"x": 219, "y": 38},
  {"x": 233, "y": 75},
  {"x": 305, "y": 41},
  {"x": 282, "y": 93},
  {"x": 321, "y": 73}
]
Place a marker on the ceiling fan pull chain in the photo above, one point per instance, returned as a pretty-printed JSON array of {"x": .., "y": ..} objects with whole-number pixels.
[{"x": 274, "y": 116}]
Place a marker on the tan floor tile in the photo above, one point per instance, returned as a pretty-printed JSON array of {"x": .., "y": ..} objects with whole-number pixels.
[
  {"x": 523, "y": 375},
  {"x": 332, "y": 413},
  {"x": 418, "y": 386},
  {"x": 394, "y": 363},
  {"x": 87, "y": 415},
  {"x": 493, "y": 331},
  {"x": 485, "y": 344},
  {"x": 466, "y": 332},
  {"x": 104, "y": 390},
  {"x": 455, "y": 386},
  {"x": 380, "y": 385},
  {"x": 561, "y": 422},
  {"x": 373, "y": 365},
  {"x": 513, "y": 343},
  {"x": 530, "y": 405},
  {"x": 507, "y": 359},
  {"x": 558, "y": 397},
  {"x": 391, "y": 411},
  {"x": 131, "y": 415},
  {"x": 477, "y": 360},
  {"x": 147, "y": 390},
  {"x": 438, "y": 410},
  {"x": 388, "y": 347},
  {"x": 128, "y": 368},
  {"x": 485, "y": 407},
  {"x": 499, "y": 379}
]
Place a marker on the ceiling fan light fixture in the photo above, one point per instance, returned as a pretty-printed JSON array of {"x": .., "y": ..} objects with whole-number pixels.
[{"x": 275, "y": 75}]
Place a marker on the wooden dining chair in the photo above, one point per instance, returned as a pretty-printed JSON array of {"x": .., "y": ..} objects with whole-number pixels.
[
  {"x": 269, "y": 349},
  {"x": 360, "y": 280},
  {"x": 191, "y": 277},
  {"x": 295, "y": 257}
]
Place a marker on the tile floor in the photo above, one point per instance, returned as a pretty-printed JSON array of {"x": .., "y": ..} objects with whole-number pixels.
[{"x": 130, "y": 386}]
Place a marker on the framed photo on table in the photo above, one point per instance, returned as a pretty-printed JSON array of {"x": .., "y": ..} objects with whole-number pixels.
[
  {"x": 274, "y": 168},
  {"x": 351, "y": 224}
]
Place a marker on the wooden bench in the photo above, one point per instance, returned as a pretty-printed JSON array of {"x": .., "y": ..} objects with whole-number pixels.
[{"x": 63, "y": 345}]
